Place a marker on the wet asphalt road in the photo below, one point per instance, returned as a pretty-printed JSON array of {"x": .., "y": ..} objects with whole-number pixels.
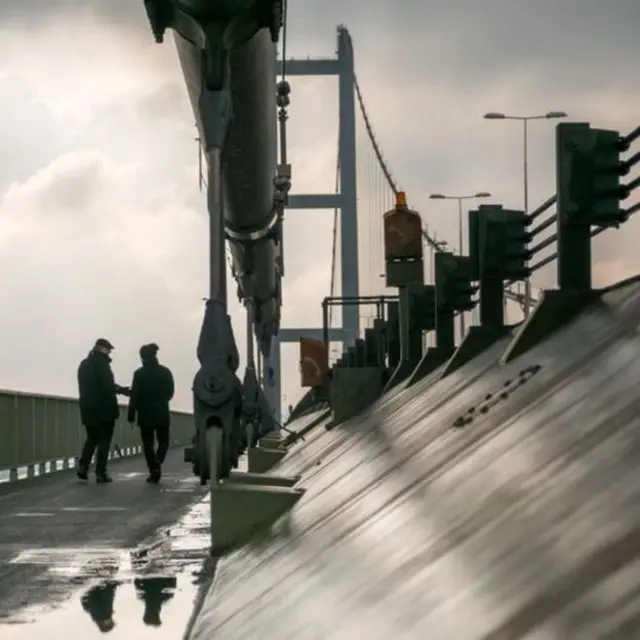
[{"x": 80, "y": 558}]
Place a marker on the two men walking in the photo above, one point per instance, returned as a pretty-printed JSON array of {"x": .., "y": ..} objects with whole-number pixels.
[{"x": 152, "y": 389}]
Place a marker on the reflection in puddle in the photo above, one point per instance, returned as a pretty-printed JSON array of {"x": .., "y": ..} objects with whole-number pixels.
[
  {"x": 154, "y": 592},
  {"x": 99, "y": 600},
  {"x": 147, "y": 592},
  {"x": 98, "y": 603},
  {"x": 148, "y": 608}
]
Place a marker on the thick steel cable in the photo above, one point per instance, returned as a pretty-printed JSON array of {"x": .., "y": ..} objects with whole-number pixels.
[{"x": 432, "y": 241}]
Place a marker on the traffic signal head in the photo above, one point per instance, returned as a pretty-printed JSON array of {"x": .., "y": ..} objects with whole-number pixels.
[
  {"x": 454, "y": 291},
  {"x": 422, "y": 306},
  {"x": 503, "y": 240},
  {"x": 588, "y": 175}
]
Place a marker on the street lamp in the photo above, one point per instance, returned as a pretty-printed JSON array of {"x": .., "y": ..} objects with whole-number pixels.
[
  {"x": 473, "y": 196},
  {"x": 550, "y": 115}
]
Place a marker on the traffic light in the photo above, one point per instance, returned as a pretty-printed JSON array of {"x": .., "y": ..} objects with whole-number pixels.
[
  {"x": 454, "y": 291},
  {"x": 422, "y": 306},
  {"x": 502, "y": 243},
  {"x": 588, "y": 170}
]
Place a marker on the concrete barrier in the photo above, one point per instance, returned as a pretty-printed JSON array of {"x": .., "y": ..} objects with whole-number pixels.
[{"x": 498, "y": 501}]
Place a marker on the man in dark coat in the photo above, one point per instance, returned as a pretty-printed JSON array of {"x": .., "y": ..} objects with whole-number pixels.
[
  {"x": 99, "y": 409},
  {"x": 151, "y": 391}
]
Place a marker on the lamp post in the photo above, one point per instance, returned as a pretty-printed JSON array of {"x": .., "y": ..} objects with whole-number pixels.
[
  {"x": 473, "y": 196},
  {"x": 550, "y": 115}
]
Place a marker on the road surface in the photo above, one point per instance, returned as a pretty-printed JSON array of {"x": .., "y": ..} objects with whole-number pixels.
[{"x": 79, "y": 556}]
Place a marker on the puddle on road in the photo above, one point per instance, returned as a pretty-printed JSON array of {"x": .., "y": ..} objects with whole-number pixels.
[{"x": 147, "y": 592}]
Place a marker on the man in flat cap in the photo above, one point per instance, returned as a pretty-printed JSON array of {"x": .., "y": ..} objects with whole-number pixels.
[
  {"x": 99, "y": 409},
  {"x": 151, "y": 392}
]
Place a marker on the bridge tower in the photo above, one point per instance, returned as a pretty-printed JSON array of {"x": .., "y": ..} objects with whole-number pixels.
[{"x": 346, "y": 201}]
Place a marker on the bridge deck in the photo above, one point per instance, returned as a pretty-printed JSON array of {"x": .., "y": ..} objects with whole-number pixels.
[{"x": 60, "y": 537}]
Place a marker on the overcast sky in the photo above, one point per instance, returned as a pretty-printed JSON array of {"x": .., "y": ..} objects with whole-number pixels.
[{"x": 102, "y": 228}]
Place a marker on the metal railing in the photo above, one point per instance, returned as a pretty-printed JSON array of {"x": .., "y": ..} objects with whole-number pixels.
[{"x": 40, "y": 433}]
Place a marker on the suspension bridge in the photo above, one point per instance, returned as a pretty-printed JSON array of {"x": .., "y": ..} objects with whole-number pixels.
[{"x": 429, "y": 484}]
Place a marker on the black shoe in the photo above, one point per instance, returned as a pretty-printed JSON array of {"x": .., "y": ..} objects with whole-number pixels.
[
  {"x": 154, "y": 476},
  {"x": 82, "y": 474},
  {"x": 104, "y": 478}
]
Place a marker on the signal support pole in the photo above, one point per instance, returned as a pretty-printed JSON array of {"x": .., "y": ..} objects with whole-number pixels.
[
  {"x": 491, "y": 302},
  {"x": 573, "y": 238}
]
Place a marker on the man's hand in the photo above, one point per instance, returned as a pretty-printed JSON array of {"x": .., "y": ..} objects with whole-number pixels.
[{"x": 123, "y": 391}]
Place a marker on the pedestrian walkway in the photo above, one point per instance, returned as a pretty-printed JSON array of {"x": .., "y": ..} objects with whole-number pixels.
[{"x": 77, "y": 556}]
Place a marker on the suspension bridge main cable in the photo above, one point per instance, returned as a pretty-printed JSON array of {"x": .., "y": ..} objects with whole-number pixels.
[
  {"x": 374, "y": 142},
  {"x": 432, "y": 241}
]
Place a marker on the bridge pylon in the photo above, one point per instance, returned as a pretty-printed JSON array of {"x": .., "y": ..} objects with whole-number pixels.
[{"x": 345, "y": 200}]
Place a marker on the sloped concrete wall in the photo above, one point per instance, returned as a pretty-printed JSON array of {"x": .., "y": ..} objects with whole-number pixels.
[
  {"x": 500, "y": 503},
  {"x": 353, "y": 389}
]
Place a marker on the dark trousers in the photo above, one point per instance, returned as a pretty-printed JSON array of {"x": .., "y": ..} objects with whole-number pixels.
[
  {"x": 154, "y": 457},
  {"x": 99, "y": 442}
]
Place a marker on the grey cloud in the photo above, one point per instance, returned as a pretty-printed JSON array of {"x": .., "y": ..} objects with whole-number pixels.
[
  {"x": 168, "y": 101},
  {"x": 571, "y": 44},
  {"x": 120, "y": 274},
  {"x": 39, "y": 13},
  {"x": 73, "y": 190},
  {"x": 577, "y": 41},
  {"x": 145, "y": 107},
  {"x": 29, "y": 129},
  {"x": 156, "y": 126},
  {"x": 160, "y": 118}
]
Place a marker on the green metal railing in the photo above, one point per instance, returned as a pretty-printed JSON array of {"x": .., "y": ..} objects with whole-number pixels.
[{"x": 44, "y": 433}]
